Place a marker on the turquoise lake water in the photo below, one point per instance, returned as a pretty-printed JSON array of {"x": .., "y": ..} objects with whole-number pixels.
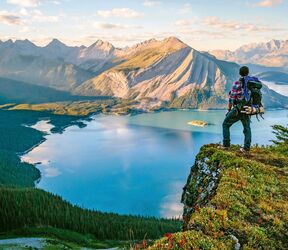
[{"x": 134, "y": 165}]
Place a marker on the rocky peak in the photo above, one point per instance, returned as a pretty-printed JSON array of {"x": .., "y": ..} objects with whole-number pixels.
[
  {"x": 8, "y": 42},
  {"x": 172, "y": 39},
  {"x": 170, "y": 43},
  {"x": 55, "y": 43},
  {"x": 144, "y": 44},
  {"x": 102, "y": 45},
  {"x": 273, "y": 44},
  {"x": 24, "y": 44},
  {"x": 173, "y": 43}
]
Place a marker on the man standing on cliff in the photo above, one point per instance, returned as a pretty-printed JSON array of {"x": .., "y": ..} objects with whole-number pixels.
[{"x": 236, "y": 96}]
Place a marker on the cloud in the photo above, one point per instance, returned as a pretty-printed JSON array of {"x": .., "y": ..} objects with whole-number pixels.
[
  {"x": 122, "y": 12},
  {"x": 268, "y": 3},
  {"x": 25, "y": 3},
  {"x": 170, "y": 206},
  {"x": 51, "y": 171},
  {"x": 38, "y": 16},
  {"x": 24, "y": 12},
  {"x": 150, "y": 3},
  {"x": 202, "y": 34},
  {"x": 186, "y": 9},
  {"x": 9, "y": 18},
  {"x": 183, "y": 23},
  {"x": 25, "y": 29},
  {"x": 232, "y": 25},
  {"x": 100, "y": 25}
]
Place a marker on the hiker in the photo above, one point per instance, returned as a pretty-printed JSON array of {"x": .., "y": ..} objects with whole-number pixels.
[{"x": 241, "y": 106}]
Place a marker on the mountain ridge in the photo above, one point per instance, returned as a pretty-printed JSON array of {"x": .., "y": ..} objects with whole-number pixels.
[
  {"x": 273, "y": 53},
  {"x": 162, "y": 72}
]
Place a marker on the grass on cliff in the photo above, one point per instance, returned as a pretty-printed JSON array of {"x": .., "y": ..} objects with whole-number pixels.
[{"x": 250, "y": 201}]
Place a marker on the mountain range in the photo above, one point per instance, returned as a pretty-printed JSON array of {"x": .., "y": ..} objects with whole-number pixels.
[
  {"x": 270, "y": 54},
  {"x": 166, "y": 72}
]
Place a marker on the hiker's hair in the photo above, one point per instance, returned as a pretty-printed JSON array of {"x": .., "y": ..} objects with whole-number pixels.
[{"x": 244, "y": 71}]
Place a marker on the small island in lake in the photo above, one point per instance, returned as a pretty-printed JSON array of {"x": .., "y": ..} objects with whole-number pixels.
[{"x": 198, "y": 123}]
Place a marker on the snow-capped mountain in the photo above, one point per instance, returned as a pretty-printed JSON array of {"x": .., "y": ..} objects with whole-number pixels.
[{"x": 272, "y": 54}]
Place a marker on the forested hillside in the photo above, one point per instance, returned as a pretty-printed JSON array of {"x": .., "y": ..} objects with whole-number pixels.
[{"x": 30, "y": 207}]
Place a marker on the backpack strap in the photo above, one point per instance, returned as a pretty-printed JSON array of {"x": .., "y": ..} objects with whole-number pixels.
[{"x": 245, "y": 88}]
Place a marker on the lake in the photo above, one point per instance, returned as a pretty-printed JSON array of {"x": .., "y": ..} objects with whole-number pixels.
[{"x": 133, "y": 164}]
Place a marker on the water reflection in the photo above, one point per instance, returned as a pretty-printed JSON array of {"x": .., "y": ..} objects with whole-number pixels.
[
  {"x": 43, "y": 126},
  {"x": 133, "y": 165}
]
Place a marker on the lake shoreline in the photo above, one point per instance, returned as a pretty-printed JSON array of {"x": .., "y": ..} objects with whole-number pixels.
[{"x": 148, "y": 131}]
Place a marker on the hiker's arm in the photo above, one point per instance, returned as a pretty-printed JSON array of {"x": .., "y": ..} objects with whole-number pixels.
[
  {"x": 231, "y": 99},
  {"x": 230, "y": 106},
  {"x": 234, "y": 94}
]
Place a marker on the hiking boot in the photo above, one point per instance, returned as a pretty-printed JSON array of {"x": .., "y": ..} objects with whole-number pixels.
[
  {"x": 245, "y": 150},
  {"x": 223, "y": 147}
]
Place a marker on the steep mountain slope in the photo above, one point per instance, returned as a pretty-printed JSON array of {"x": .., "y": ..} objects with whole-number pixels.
[
  {"x": 170, "y": 72},
  {"x": 55, "y": 65},
  {"x": 97, "y": 58},
  {"x": 258, "y": 69},
  {"x": 162, "y": 70},
  {"x": 24, "y": 61},
  {"x": 273, "y": 54},
  {"x": 274, "y": 76},
  {"x": 42, "y": 71},
  {"x": 12, "y": 91}
]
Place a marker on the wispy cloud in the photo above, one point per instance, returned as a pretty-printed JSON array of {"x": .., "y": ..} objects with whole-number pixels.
[
  {"x": 183, "y": 23},
  {"x": 186, "y": 9},
  {"x": 203, "y": 34},
  {"x": 25, "y": 29},
  {"x": 38, "y": 16},
  {"x": 122, "y": 12},
  {"x": 9, "y": 18},
  {"x": 35, "y": 15},
  {"x": 25, "y": 3},
  {"x": 150, "y": 3},
  {"x": 232, "y": 25},
  {"x": 51, "y": 171},
  {"x": 268, "y": 3},
  {"x": 101, "y": 25}
]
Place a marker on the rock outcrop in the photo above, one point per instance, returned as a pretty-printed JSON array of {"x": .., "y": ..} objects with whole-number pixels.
[{"x": 234, "y": 201}]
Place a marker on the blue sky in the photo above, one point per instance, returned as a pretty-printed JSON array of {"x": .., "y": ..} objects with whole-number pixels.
[{"x": 203, "y": 24}]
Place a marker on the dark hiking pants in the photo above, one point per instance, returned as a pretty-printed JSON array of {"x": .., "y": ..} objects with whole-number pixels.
[{"x": 232, "y": 117}]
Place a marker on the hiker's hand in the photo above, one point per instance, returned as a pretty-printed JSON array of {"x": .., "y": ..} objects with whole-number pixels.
[{"x": 249, "y": 110}]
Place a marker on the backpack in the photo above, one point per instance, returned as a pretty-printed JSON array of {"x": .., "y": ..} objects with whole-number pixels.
[{"x": 252, "y": 101}]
